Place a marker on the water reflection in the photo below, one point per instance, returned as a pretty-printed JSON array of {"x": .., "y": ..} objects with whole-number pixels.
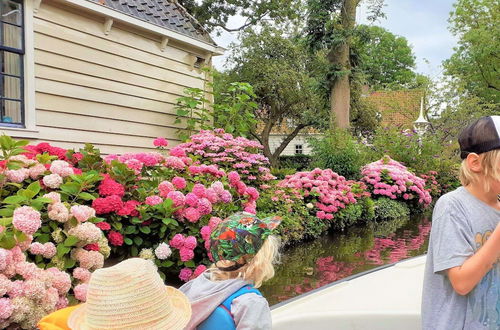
[{"x": 338, "y": 255}]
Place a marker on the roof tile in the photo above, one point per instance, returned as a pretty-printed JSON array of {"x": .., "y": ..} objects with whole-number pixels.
[{"x": 168, "y": 15}]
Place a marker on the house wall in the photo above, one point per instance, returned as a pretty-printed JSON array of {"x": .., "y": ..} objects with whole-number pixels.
[
  {"x": 116, "y": 91},
  {"x": 275, "y": 141}
]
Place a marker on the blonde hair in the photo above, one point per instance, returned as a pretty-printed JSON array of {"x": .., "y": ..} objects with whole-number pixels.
[
  {"x": 490, "y": 163},
  {"x": 256, "y": 270}
]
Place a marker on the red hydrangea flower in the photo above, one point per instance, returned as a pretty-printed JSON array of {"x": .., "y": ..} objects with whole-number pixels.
[
  {"x": 107, "y": 204},
  {"x": 115, "y": 238},
  {"x": 103, "y": 225},
  {"x": 91, "y": 247},
  {"x": 110, "y": 187},
  {"x": 129, "y": 208}
]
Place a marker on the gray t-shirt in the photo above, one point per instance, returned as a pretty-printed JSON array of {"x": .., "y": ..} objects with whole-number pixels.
[{"x": 461, "y": 224}]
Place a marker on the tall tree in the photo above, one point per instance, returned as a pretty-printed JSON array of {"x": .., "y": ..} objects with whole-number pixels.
[
  {"x": 277, "y": 66},
  {"x": 476, "y": 61},
  {"x": 385, "y": 59},
  {"x": 331, "y": 24},
  {"x": 215, "y": 14}
]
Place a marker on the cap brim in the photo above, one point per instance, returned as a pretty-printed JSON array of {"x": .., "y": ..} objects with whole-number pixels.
[{"x": 180, "y": 315}]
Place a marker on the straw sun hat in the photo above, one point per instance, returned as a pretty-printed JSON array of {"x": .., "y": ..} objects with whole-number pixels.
[{"x": 131, "y": 295}]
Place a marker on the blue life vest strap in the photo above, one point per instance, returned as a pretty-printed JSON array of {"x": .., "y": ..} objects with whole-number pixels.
[{"x": 222, "y": 318}]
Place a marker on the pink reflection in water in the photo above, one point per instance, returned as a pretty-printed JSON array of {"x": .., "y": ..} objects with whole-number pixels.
[{"x": 385, "y": 250}]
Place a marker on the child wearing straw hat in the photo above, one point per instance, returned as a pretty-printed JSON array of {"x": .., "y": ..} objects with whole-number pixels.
[
  {"x": 225, "y": 295},
  {"x": 129, "y": 295}
]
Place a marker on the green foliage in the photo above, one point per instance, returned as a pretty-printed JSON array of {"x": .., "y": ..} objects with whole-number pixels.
[
  {"x": 234, "y": 109},
  {"x": 193, "y": 110},
  {"x": 281, "y": 172},
  {"x": 298, "y": 162},
  {"x": 386, "y": 59},
  {"x": 388, "y": 209},
  {"x": 277, "y": 66},
  {"x": 476, "y": 60},
  {"x": 340, "y": 152},
  {"x": 214, "y": 14},
  {"x": 348, "y": 216}
]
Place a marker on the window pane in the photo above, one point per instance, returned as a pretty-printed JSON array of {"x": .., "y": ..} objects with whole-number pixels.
[
  {"x": 12, "y": 12},
  {"x": 11, "y": 112},
  {"x": 10, "y": 63},
  {"x": 12, "y": 36},
  {"x": 11, "y": 87}
]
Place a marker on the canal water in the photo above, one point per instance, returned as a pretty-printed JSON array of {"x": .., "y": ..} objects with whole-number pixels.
[{"x": 313, "y": 264}]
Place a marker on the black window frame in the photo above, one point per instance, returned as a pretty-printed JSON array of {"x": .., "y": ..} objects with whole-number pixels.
[
  {"x": 299, "y": 147},
  {"x": 22, "y": 53}
]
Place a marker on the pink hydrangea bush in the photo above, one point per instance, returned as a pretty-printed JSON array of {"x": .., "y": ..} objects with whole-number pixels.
[
  {"x": 387, "y": 177},
  {"x": 326, "y": 191},
  {"x": 229, "y": 153},
  {"x": 28, "y": 293}
]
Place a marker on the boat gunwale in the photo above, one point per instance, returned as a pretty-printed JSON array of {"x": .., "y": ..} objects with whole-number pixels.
[{"x": 348, "y": 278}]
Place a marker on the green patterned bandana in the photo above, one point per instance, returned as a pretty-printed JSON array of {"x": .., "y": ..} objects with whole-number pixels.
[{"x": 239, "y": 235}]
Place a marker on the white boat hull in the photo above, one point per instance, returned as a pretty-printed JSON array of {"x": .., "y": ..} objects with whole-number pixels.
[{"x": 385, "y": 299}]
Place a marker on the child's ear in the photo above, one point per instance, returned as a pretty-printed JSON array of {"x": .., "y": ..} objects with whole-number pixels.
[{"x": 474, "y": 162}]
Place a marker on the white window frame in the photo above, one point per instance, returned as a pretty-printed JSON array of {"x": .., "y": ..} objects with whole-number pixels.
[
  {"x": 30, "y": 130},
  {"x": 299, "y": 147}
]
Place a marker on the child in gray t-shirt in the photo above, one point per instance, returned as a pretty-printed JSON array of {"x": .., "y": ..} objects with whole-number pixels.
[{"x": 462, "y": 276}]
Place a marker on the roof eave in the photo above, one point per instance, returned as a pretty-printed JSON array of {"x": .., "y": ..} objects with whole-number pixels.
[{"x": 136, "y": 22}]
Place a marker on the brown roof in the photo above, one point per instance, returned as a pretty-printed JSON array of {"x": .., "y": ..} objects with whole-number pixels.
[
  {"x": 166, "y": 14},
  {"x": 397, "y": 108}
]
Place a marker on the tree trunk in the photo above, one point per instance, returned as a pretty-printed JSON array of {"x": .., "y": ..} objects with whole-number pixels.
[{"x": 340, "y": 93}]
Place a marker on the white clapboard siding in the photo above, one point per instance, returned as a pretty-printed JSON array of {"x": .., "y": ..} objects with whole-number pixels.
[
  {"x": 116, "y": 91},
  {"x": 119, "y": 34},
  {"x": 275, "y": 141}
]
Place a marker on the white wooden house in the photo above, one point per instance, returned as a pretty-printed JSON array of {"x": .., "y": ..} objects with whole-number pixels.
[{"x": 106, "y": 72}]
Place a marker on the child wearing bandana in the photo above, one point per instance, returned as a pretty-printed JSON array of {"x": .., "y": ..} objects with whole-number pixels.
[{"x": 225, "y": 296}]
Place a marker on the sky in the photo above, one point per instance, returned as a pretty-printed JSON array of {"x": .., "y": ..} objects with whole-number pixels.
[{"x": 423, "y": 22}]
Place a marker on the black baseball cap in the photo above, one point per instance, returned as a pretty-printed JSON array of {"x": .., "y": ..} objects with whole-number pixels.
[{"x": 481, "y": 136}]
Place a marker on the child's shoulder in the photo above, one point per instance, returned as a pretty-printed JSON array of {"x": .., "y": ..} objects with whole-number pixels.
[{"x": 452, "y": 199}]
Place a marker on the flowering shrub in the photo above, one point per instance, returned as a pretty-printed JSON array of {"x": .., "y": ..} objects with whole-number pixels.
[
  {"x": 387, "y": 177},
  {"x": 431, "y": 183},
  {"x": 327, "y": 191},
  {"x": 229, "y": 153}
]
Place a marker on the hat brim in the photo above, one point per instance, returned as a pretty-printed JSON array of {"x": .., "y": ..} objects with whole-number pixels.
[{"x": 180, "y": 315}]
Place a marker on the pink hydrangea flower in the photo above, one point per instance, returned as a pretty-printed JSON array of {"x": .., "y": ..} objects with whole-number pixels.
[
  {"x": 177, "y": 197},
  {"x": 179, "y": 182},
  {"x": 226, "y": 197},
  {"x": 205, "y": 232},
  {"x": 129, "y": 208},
  {"x": 163, "y": 251},
  {"x": 63, "y": 302},
  {"x": 200, "y": 269},
  {"x": 199, "y": 190},
  {"x": 204, "y": 206},
  {"x": 107, "y": 204},
  {"x": 58, "y": 212},
  {"x": 6, "y": 308},
  {"x": 214, "y": 222},
  {"x": 54, "y": 196},
  {"x": 60, "y": 280},
  {"x": 17, "y": 176},
  {"x": 190, "y": 242},
  {"x": 26, "y": 219},
  {"x": 191, "y": 214},
  {"x": 177, "y": 152},
  {"x": 61, "y": 168},
  {"x": 211, "y": 195},
  {"x": 53, "y": 180},
  {"x": 50, "y": 250},
  {"x": 37, "y": 248},
  {"x": 186, "y": 254},
  {"x": 160, "y": 142},
  {"x": 86, "y": 232},
  {"x": 175, "y": 163},
  {"x": 81, "y": 274},
  {"x": 165, "y": 187},
  {"x": 191, "y": 199},
  {"x": 37, "y": 170},
  {"x": 81, "y": 292},
  {"x": 153, "y": 200},
  {"x": 185, "y": 274},
  {"x": 177, "y": 241}
]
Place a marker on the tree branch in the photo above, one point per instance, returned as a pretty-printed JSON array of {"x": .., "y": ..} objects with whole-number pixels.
[{"x": 288, "y": 139}]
